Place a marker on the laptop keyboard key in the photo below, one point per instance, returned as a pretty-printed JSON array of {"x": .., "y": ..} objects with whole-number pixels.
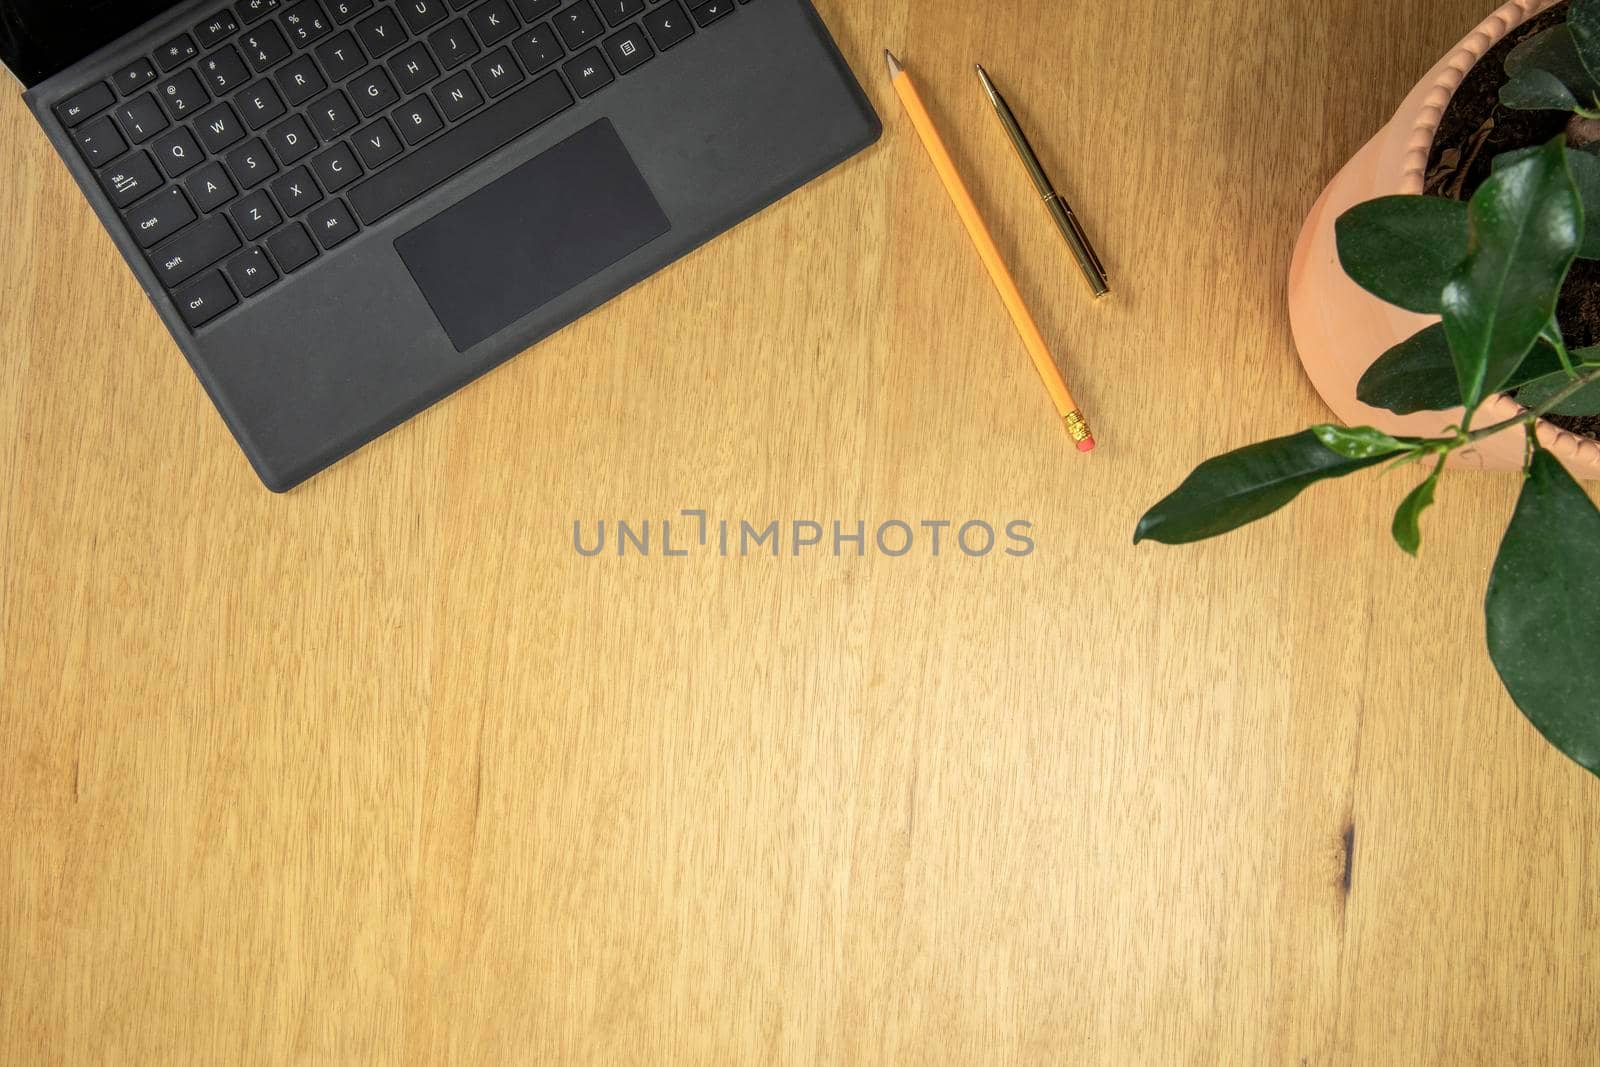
[
  {"x": 332, "y": 223},
  {"x": 373, "y": 92},
  {"x": 177, "y": 152},
  {"x": 141, "y": 118},
  {"x": 588, "y": 72},
  {"x": 259, "y": 104},
  {"x": 332, "y": 115},
  {"x": 538, "y": 47},
  {"x": 133, "y": 177},
  {"x": 250, "y": 271},
  {"x": 219, "y": 128},
  {"x": 706, "y": 14},
  {"x": 578, "y": 25},
  {"x": 619, "y": 11},
  {"x": 134, "y": 76},
  {"x": 628, "y": 49},
  {"x": 336, "y": 168},
  {"x": 100, "y": 141},
  {"x": 292, "y": 248},
  {"x": 300, "y": 80},
  {"x": 345, "y": 10},
  {"x": 254, "y": 10},
  {"x": 341, "y": 56},
  {"x": 213, "y": 31},
  {"x": 204, "y": 300},
  {"x": 413, "y": 68},
  {"x": 296, "y": 192},
  {"x": 255, "y": 215},
  {"x": 193, "y": 250},
  {"x": 250, "y": 164},
  {"x": 291, "y": 140},
  {"x": 305, "y": 22},
  {"x": 210, "y": 187},
  {"x": 265, "y": 47},
  {"x": 417, "y": 120},
  {"x": 175, "y": 53},
  {"x": 183, "y": 95},
  {"x": 223, "y": 70},
  {"x": 454, "y": 44},
  {"x": 668, "y": 25},
  {"x": 535, "y": 9},
  {"x": 79, "y": 106},
  {"x": 422, "y": 15},
  {"x": 377, "y": 144},
  {"x": 498, "y": 73},
  {"x": 381, "y": 33},
  {"x": 457, "y": 95},
  {"x": 159, "y": 217},
  {"x": 494, "y": 21}
]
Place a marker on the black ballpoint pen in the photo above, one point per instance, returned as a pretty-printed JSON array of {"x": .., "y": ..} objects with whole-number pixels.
[{"x": 1059, "y": 209}]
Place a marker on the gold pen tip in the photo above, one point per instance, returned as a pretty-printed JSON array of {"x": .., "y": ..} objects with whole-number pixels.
[{"x": 988, "y": 84}]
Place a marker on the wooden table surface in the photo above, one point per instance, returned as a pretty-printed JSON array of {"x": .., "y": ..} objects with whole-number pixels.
[{"x": 384, "y": 770}]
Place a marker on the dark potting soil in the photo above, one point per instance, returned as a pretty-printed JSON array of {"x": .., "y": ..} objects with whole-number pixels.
[{"x": 1474, "y": 130}]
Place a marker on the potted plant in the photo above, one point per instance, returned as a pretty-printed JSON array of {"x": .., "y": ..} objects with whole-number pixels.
[
  {"x": 1487, "y": 284},
  {"x": 1448, "y": 128}
]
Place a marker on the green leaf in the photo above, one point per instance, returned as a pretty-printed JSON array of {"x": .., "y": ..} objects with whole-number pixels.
[
  {"x": 1539, "y": 392},
  {"x": 1408, "y": 520},
  {"x": 1543, "y": 610},
  {"x": 1526, "y": 223},
  {"x": 1583, "y": 23},
  {"x": 1537, "y": 90},
  {"x": 1555, "y": 51},
  {"x": 1251, "y": 483},
  {"x": 1358, "y": 442},
  {"x": 1404, "y": 249},
  {"x": 1419, "y": 374},
  {"x": 1585, "y": 169}
]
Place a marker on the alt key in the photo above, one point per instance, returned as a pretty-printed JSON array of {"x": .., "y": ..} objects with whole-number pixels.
[{"x": 588, "y": 72}]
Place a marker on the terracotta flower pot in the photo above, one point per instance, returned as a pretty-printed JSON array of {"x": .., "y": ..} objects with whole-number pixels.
[{"x": 1341, "y": 330}]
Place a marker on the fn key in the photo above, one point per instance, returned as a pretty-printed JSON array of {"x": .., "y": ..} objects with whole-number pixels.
[{"x": 204, "y": 299}]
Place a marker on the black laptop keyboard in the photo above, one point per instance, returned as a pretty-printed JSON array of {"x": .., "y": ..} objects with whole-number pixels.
[{"x": 271, "y": 132}]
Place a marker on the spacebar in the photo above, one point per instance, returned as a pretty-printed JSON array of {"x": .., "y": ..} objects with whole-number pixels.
[{"x": 459, "y": 149}]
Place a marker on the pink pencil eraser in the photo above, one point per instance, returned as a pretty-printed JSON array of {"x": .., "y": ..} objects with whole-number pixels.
[{"x": 1086, "y": 445}]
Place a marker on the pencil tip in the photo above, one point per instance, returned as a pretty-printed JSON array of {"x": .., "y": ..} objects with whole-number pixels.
[{"x": 894, "y": 64}]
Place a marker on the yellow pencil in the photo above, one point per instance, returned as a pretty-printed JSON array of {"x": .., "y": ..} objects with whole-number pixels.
[{"x": 1076, "y": 424}]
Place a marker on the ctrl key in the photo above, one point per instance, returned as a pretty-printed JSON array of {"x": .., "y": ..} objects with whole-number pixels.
[{"x": 204, "y": 299}]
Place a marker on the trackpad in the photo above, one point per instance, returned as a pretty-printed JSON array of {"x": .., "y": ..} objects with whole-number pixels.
[{"x": 526, "y": 238}]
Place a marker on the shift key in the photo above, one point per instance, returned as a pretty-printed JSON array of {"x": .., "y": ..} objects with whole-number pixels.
[{"x": 193, "y": 250}]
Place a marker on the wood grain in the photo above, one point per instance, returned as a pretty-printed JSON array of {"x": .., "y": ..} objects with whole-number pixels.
[{"x": 384, "y": 771}]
